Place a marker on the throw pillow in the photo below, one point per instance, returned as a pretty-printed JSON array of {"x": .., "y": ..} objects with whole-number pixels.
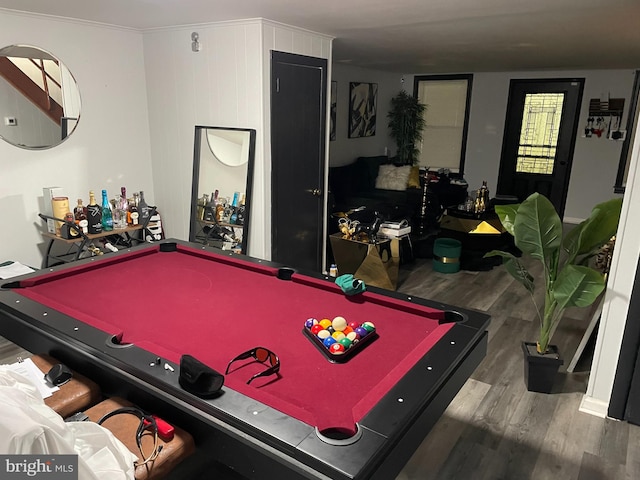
[
  {"x": 414, "y": 177},
  {"x": 391, "y": 177}
]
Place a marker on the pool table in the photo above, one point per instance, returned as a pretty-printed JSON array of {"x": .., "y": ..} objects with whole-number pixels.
[{"x": 126, "y": 319}]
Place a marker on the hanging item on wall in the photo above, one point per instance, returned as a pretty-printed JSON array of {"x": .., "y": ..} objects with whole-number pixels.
[
  {"x": 614, "y": 132},
  {"x": 362, "y": 109},
  {"x": 604, "y": 118}
]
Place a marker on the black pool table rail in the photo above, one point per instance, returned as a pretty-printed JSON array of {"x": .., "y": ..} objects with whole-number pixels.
[{"x": 391, "y": 430}]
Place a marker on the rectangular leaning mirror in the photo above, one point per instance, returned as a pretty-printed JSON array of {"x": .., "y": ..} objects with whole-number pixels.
[{"x": 221, "y": 187}]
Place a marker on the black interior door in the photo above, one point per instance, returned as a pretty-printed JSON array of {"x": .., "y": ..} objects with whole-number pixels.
[
  {"x": 540, "y": 162},
  {"x": 298, "y": 120}
]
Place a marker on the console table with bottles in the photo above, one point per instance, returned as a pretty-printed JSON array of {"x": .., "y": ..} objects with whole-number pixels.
[{"x": 83, "y": 245}]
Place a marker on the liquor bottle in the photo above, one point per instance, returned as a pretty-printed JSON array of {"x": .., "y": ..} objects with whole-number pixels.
[
  {"x": 69, "y": 219},
  {"x": 94, "y": 215},
  {"x": 484, "y": 192},
  {"x": 233, "y": 218},
  {"x": 201, "y": 204},
  {"x": 107, "y": 216},
  {"x": 80, "y": 217},
  {"x": 210, "y": 207},
  {"x": 144, "y": 212},
  {"x": 241, "y": 210},
  {"x": 123, "y": 206},
  {"x": 220, "y": 210},
  {"x": 133, "y": 209}
]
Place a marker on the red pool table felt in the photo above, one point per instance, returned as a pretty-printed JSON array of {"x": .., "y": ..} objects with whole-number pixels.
[{"x": 214, "y": 307}]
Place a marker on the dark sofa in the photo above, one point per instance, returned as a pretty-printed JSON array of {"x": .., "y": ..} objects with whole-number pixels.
[{"x": 354, "y": 185}]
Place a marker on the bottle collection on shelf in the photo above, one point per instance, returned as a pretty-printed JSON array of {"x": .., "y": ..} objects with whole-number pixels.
[
  {"x": 118, "y": 213},
  {"x": 221, "y": 210},
  {"x": 478, "y": 204}
]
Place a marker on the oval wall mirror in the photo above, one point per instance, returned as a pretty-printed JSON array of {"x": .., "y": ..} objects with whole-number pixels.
[
  {"x": 39, "y": 98},
  {"x": 221, "y": 187}
]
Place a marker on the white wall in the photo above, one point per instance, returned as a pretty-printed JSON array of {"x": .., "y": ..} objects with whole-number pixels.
[
  {"x": 226, "y": 84},
  {"x": 110, "y": 147},
  {"x": 345, "y": 150},
  {"x": 618, "y": 294}
]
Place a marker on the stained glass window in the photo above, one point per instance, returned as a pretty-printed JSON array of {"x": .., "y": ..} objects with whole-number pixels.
[{"x": 539, "y": 133}]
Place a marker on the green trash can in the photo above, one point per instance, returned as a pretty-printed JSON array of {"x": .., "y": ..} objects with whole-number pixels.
[{"x": 446, "y": 255}]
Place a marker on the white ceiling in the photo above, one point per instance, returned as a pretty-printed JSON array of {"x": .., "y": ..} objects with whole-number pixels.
[{"x": 410, "y": 36}]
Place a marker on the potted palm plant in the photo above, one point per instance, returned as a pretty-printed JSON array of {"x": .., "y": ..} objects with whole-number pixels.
[
  {"x": 569, "y": 280},
  {"x": 406, "y": 122}
]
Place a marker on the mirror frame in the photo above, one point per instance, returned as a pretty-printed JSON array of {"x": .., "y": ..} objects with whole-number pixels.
[
  {"x": 67, "y": 124},
  {"x": 199, "y": 139}
]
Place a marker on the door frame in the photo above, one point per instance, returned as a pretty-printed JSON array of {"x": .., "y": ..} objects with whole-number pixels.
[
  {"x": 512, "y": 100},
  {"x": 323, "y": 65}
]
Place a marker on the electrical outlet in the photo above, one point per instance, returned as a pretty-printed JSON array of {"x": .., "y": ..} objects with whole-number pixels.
[{"x": 10, "y": 121}]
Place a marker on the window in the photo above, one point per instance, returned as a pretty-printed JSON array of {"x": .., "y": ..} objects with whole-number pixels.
[
  {"x": 447, "y": 98},
  {"x": 539, "y": 132}
]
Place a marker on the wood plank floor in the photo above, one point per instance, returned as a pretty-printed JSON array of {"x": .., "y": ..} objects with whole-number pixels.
[{"x": 494, "y": 428}]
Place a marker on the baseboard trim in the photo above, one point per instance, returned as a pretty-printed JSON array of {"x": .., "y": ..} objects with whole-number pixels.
[
  {"x": 572, "y": 220},
  {"x": 594, "y": 407}
]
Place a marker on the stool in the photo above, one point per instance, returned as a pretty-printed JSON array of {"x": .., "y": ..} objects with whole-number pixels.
[
  {"x": 446, "y": 255},
  {"x": 74, "y": 396},
  {"x": 124, "y": 429}
]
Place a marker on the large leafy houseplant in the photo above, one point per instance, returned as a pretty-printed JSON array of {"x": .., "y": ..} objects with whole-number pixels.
[
  {"x": 569, "y": 281},
  {"x": 406, "y": 122}
]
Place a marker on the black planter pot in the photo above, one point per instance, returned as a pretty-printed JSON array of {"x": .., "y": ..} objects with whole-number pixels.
[{"x": 540, "y": 370}]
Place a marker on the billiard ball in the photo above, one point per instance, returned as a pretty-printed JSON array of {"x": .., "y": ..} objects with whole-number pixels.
[
  {"x": 345, "y": 342},
  {"x": 310, "y": 322},
  {"x": 347, "y": 330},
  {"x": 331, "y": 330},
  {"x": 338, "y": 336},
  {"x": 316, "y": 328},
  {"x": 339, "y": 323},
  {"x": 325, "y": 322},
  {"x": 322, "y": 334},
  {"x": 369, "y": 326},
  {"x": 352, "y": 336},
  {"x": 362, "y": 332},
  {"x": 354, "y": 325},
  {"x": 336, "y": 348},
  {"x": 329, "y": 341}
]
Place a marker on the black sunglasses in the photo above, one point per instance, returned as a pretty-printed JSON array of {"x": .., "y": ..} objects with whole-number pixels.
[{"x": 260, "y": 354}]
